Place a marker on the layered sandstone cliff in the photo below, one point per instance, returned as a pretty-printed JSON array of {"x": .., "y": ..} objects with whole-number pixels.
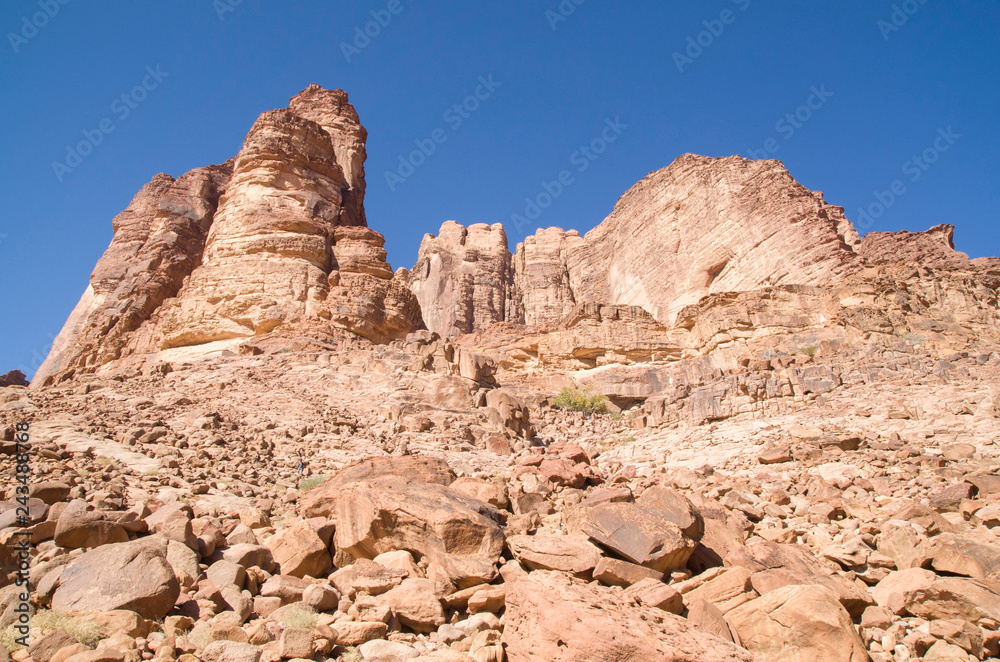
[
  {"x": 158, "y": 241},
  {"x": 463, "y": 279},
  {"x": 694, "y": 228},
  {"x": 934, "y": 248},
  {"x": 275, "y": 237},
  {"x": 697, "y": 227},
  {"x": 704, "y": 252}
]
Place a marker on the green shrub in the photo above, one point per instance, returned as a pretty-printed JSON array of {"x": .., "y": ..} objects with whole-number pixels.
[
  {"x": 585, "y": 400},
  {"x": 810, "y": 351},
  {"x": 311, "y": 482}
]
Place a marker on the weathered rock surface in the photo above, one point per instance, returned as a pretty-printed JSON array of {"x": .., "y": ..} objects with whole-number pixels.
[
  {"x": 806, "y": 451},
  {"x": 553, "y": 617},
  {"x": 273, "y": 237},
  {"x": 719, "y": 225},
  {"x": 13, "y": 378},
  {"x": 392, "y": 504},
  {"x": 158, "y": 242},
  {"x": 463, "y": 279},
  {"x": 128, "y": 575},
  {"x": 934, "y": 248},
  {"x": 798, "y": 624},
  {"x": 278, "y": 251}
]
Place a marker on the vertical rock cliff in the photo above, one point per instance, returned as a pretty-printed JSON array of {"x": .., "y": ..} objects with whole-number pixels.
[
  {"x": 273, "y": 238},
  {"x": 463, "y": 279},
  {"x": 697, "y": 227}
]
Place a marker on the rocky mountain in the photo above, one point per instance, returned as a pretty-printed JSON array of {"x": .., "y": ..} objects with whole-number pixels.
[
  {"x": 276, "y": 240},
  {"x": 718, "y": 426},
  {"x": 273, "y": 238}
]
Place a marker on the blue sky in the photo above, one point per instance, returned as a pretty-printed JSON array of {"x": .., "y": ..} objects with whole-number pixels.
[{"x": 887, "y": 82}]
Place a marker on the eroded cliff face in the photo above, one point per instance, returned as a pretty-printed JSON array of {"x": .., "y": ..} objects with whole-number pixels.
[
  {"x": 933, "y": 248},
  {"x": 159, "y": 239},
  {"x": 698, "y": 227},
  {"x": 464, "y": 279},
  {"x": 275, "y": 237},
  {"x": 701, "y": 255}
]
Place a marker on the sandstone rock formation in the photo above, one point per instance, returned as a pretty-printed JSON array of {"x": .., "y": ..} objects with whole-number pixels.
[
  {"x": 275, "y": 237},
  {"x": 158, "y": 242},
  {"x": 542, "y": 275},
  {"x": 463, "y": 279},
  {"x": 718, "y": 225},
  {"x": 934, "y": 248},
  {"x": 554, "y": 617},
  {"x": 382, "y": 506},
  {"x": 127, "y": 575},
  {"x": 13, "y": 378}
]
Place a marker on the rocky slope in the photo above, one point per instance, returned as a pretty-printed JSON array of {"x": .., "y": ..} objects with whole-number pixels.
[
  {"x": 760, "y": 437},
  {"x": 851, "y": 514}
]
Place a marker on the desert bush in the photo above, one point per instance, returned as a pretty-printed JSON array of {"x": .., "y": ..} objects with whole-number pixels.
[
  {"x": 302, "y": 618},
  {"x": 86, "y": 632},
  {"x": 311, "y": 482},
  {"x": 582, "y": 400},
  {"x": 8, "y": 640}
]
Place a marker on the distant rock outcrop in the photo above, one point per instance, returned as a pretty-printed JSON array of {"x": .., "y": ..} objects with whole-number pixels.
[
  {"x": 933, "y": 248},
  {"x": 699, "y": 226},
  {"x": 13, "y": 378},
  {"x": 463, "y": 279}
]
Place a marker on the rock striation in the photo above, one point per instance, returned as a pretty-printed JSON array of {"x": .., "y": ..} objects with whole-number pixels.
[
  {"x": 934, "y": 248},
  {"x": 158, "y": 241},
  {"x": 701, "y": 254},
  {"x": 273, "y": 238},
  {"x": 719, "y": 426},
  {"x": 717, "y": 225},
  {"x": 463, "y": 279}
]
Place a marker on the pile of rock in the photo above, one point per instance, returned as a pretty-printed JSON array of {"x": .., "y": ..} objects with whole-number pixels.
[{"x": 561, "y": 559}]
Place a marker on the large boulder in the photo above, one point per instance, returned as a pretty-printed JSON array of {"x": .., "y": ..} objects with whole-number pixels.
[
  {"x": 775, "y": 566},
  {"x": 130, "y": 575},
  {"x": 299, "y": 552},
  {"x": 676, "y": 507},
  {"x": 921, "y": 593},
  {"x": 638, "y": 534},
  {"x": 961, "y": 555},
  {"x": 574, "y": 554},
  {"x": 78, "y": 527},
  {"x": 798, "y": 624},
  {"x": 554, "y": 617},
  {"x": 404, "y": 503},
  {"x": 415, "y": 604}
]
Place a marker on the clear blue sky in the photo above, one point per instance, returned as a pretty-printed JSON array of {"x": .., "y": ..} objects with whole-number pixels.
[{"x": 885, "y": 93}]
